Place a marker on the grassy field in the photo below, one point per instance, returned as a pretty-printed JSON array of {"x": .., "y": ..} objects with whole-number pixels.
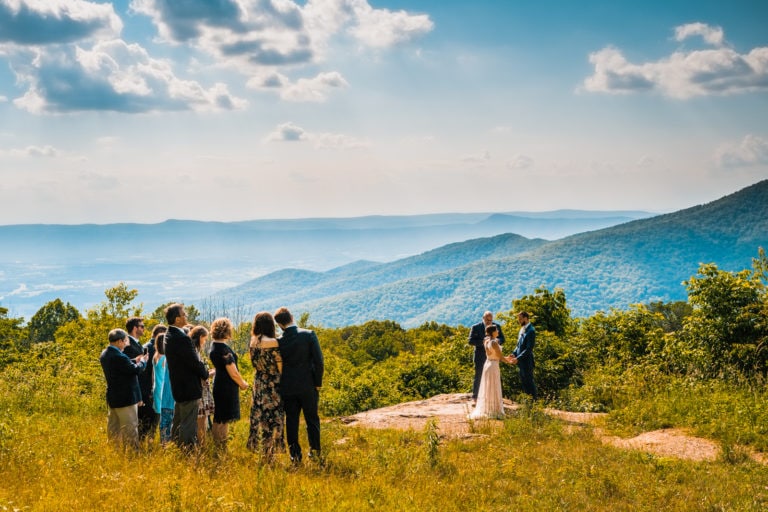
[{"x": 63, "y": 462}]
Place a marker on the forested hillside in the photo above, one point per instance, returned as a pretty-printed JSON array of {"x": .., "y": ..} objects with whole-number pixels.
[{"x": 637, "y": 262}]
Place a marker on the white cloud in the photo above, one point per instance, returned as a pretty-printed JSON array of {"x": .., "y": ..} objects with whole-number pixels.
[
  {"x": 711, "y": 35},
  {"x": 41, "y": 22},
  {"x": 313, "y": 89},
  {"x": 752, "y": 150},
  {"x": 382, "y": 28},
  {"x": 112, "y": 75},
  {"x": 277, "y": 33},
  {"x": 287, "y": 132},
  {"x": 31, "y": 151},
  {"x": 683, "y": 74},
  {"x": 518, "y": 162}
]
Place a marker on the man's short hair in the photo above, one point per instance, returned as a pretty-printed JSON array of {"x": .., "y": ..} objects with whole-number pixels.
[
  {"x": 132, "y": 323},
  {"x": 117, "y": 335},
  {"x": 283, "y": 316},
  {"x": 173, "y": 312},
  {"x": 524, "y": 314}
]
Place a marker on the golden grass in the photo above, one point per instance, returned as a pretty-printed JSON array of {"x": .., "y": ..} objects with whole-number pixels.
[{"x": 50, "y": 462}]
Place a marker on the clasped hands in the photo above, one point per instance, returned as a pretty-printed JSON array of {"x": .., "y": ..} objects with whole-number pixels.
[{"x": 510, "y": 359}]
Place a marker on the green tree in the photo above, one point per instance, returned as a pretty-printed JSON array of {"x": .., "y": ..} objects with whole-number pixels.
[
  {"x": 12, "y": 337},
  {"x": 549, "y": 311},
  {"x": 193, "y": 314},
  {"x": 728, "y": 325},
  {"x": 43, "y": 324}
]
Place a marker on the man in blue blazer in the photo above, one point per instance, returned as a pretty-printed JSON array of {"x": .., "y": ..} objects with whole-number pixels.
[
  {"x": 522, "y": 356},
  {"x": 476, "y": 338},
  {"x": 300, "y": 382},
  {"x": 123, "y": 392}
]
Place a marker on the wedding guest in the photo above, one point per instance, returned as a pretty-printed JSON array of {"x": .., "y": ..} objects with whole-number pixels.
[
  {"x": 226, "y": 383},
  {"x": 300, "y": 383},
  {"x": 163, "y": 398},
  {"x": 186, "y": 372},
  {"x": 147, "y": 416},
  {"x": 267, "y": 414},
  {"x": 476, "y": 338},
  {"x": 199, "y": 335},
  {"x": 123, "y": 392}
]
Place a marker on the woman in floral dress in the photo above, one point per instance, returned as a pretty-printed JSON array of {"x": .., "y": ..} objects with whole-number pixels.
[
  {"x": 267, "y": 415},
  {"x": 199, "y": 337}
]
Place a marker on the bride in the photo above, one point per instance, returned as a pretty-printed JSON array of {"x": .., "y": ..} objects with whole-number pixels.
[{"x": 489, "y": 400}]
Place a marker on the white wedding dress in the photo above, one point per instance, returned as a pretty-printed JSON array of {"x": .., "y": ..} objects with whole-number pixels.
[{"x": 489, "y": 400}]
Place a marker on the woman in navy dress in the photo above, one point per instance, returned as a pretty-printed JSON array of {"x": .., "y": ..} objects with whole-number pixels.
[{"x": 226, "y": 383}]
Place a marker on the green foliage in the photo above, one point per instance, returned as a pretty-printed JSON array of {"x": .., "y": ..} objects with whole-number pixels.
[
  {"x": 728, "y": 330},
  {"x": 43, "y": 324},
  {"x": 13, "y": 337},
  {"x": 548, "y": 310},
  {"x": 193, "y": 314}
]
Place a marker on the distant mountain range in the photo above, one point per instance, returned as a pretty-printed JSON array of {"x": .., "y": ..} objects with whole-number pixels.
[
  {"x": 177, "y": 259},
  {"x": 634, "y": 262}
]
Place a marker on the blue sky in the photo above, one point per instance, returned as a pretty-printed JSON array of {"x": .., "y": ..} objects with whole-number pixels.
[{"x": 140, "y": 111}]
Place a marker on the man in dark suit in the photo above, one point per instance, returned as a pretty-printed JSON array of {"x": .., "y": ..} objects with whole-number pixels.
[
  {"x": 522, "y": 356},
  {"x": 148, "y": 419},
  {"x": 300, "y": 383},
  {"x": 476, "y": 337},
  {"x": 123, "y": 393},
  {"x": 186, "y": 372}
]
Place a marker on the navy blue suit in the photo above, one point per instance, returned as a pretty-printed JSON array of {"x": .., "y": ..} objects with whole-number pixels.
[
  {"x": 476, "y": 337},
  {"x": 302, "y": 374},
  {"x": 122, "y": 377},
  {"x": 526, "y": 340}
]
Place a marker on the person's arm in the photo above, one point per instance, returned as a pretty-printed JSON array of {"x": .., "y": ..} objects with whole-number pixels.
[
  {"x": 318, "y": 366},
  {"x": 234, "y": 373},
  {"x": 126, "y": 365},
  {"x": 188, "y": 355},
  {"x": 476, "y": 336},
  {"x": 496, "y": 349}
]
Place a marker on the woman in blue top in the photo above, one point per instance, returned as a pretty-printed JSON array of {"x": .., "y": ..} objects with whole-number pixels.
[{"x": 162, "y": 398}]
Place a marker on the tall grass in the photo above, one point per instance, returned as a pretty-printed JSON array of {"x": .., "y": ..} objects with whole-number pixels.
[{"x": 64, "y": 462}]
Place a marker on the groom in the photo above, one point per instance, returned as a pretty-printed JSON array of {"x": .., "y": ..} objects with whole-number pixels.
[{"x": 300, "y": 382}]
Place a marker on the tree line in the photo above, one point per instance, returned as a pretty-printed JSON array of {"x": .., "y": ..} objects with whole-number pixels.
[{"x": 719, "y": 333}]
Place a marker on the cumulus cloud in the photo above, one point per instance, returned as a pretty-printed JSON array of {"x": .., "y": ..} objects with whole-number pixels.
[
  {"x": 382, "y": 28},
  {"x": 752, "y": 150},
  {"x": 313, "y": 89},
  {"x": 278, "y": 32},
  {"x": 683, "y": 74},
  {"x": 112, "y": 75},
  {"x": 40, "y": 22},
  {"x": 711, "y": 35},
  {"x": 289, "y": 132}
]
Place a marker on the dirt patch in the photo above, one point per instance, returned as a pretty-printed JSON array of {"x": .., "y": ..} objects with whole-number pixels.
[{"x": 451, "y": 411}]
